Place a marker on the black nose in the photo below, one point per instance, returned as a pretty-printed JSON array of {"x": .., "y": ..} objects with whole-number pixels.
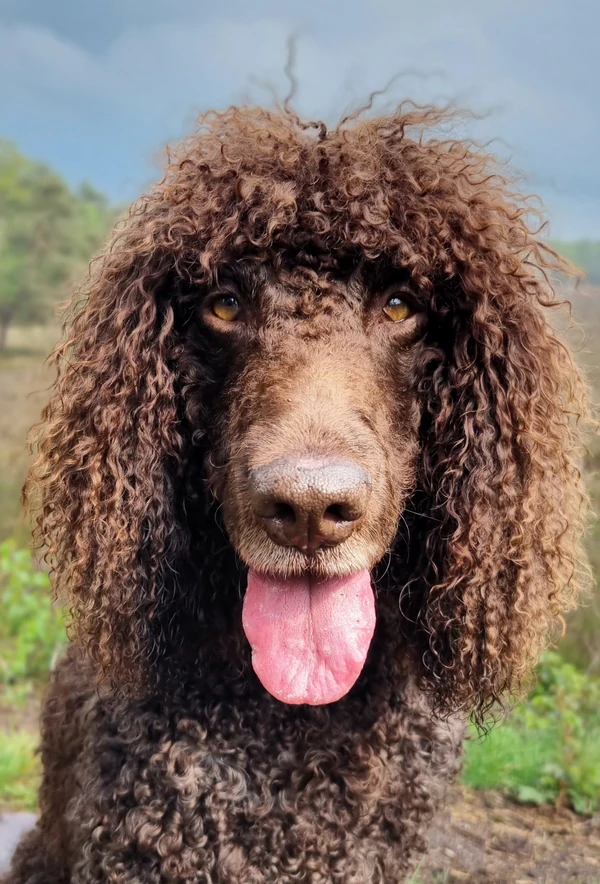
[{"x": 308, "y": 502}]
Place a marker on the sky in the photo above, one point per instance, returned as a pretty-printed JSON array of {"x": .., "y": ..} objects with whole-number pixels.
[{"x": 96, "y": 89}]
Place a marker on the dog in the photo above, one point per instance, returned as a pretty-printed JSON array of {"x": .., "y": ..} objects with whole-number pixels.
[{"x": 310, "y": 482}]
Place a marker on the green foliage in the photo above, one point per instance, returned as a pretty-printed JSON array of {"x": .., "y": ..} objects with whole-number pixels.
[
  {"x": 549, "y": 749},
  {"x": 19, "y": 771},
  {"x": 47, "y": 233},
  {"x": 31, "y": 629}
]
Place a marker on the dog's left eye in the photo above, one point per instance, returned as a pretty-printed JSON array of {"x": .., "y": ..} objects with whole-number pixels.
[
  {"x": 226, "y": 308},
  {"x": 397, "y": 309}
]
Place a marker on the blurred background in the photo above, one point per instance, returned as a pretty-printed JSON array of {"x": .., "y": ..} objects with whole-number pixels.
[{"x": 91, "y": 93}]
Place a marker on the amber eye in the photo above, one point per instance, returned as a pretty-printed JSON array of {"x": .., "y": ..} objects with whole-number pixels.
[
  {"x": 226, "y": 307},
  {"x": 396, "y": 309}
]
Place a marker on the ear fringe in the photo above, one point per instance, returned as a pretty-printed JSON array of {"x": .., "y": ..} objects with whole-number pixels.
[
  {"x": 502, "y": 471},
  {"x": 108, "y": 450}
]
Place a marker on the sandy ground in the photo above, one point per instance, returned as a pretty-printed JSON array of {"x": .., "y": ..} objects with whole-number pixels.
[{"x": 481, "y": 837}]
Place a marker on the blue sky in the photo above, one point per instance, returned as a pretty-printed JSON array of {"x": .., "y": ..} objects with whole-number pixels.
[{"x": 97, "y": 88}]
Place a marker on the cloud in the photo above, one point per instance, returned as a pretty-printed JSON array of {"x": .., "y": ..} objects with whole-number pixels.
[{"x": 107, "y": 109}]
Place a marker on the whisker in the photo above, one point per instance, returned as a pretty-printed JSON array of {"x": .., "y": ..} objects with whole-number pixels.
[{"x": 422, "y": 515}]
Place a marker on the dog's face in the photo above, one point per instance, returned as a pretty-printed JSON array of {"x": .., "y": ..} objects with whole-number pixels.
[{"x": 315, "y": 451}]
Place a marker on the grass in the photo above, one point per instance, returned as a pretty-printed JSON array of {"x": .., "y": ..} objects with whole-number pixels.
[
  {"x": 537, "y": 767},
  {"x": 548, "y": 751},
  {"x": 31, "y": 629},
  {"x": 31, "y": 633},
  {"x": 19, "y": 770},
  {"x": 442, "y": 877},
  {"x": 506, "y": 758},
  {"x": 24, "y": 381}
]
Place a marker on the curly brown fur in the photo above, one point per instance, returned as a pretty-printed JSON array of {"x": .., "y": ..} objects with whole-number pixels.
[{"x": 165, "y": 759}]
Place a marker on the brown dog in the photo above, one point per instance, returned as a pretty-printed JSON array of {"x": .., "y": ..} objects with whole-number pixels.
[{"x": 310, "y": 481}]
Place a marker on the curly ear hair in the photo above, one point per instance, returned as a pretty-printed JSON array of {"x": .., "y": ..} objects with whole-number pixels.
[
  {"x": 499, "y": 483},
  {"x": 109, "y": 451}
]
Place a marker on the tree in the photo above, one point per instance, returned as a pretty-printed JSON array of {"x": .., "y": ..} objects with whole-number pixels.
[{"x": 46, "y": 234}]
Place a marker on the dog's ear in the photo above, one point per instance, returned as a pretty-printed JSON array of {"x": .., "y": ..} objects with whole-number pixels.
[
  {"x": 501, "y": 476},
  {"x": 109, "y": 449}
]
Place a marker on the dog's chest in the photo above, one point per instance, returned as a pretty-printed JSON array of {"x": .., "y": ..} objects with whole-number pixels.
[{"x": 257, "y": 797}]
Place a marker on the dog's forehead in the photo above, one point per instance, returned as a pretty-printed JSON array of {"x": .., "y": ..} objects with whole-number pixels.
[
  {"x": 314, "y": 295},
  {"x": 310, "y": 290}
]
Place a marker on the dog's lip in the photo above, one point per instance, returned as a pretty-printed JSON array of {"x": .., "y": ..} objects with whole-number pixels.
[
  {"x": 315, "y": 574},
  {"x": 282, "y": 563}
]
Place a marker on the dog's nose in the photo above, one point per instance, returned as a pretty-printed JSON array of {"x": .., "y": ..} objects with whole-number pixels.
[{"x": 309, "y": 503}]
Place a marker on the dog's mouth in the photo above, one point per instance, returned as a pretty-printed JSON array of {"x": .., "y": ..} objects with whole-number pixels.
[{"x": 309, "y": 636}]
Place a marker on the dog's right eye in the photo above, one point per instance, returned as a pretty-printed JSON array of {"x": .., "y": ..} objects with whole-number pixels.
[
  {"x": 226, "y": 307},
  {"x": 397, "y": 309}
]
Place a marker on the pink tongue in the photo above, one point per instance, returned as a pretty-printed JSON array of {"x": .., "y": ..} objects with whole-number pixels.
[{"x": 309, "y": 639}]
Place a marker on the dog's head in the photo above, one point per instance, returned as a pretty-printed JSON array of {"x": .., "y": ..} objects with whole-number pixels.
[{"x": 333, "y": 345}]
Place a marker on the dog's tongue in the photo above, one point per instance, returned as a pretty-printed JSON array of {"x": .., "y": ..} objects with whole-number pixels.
[{"x": 309, "y": 638}]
